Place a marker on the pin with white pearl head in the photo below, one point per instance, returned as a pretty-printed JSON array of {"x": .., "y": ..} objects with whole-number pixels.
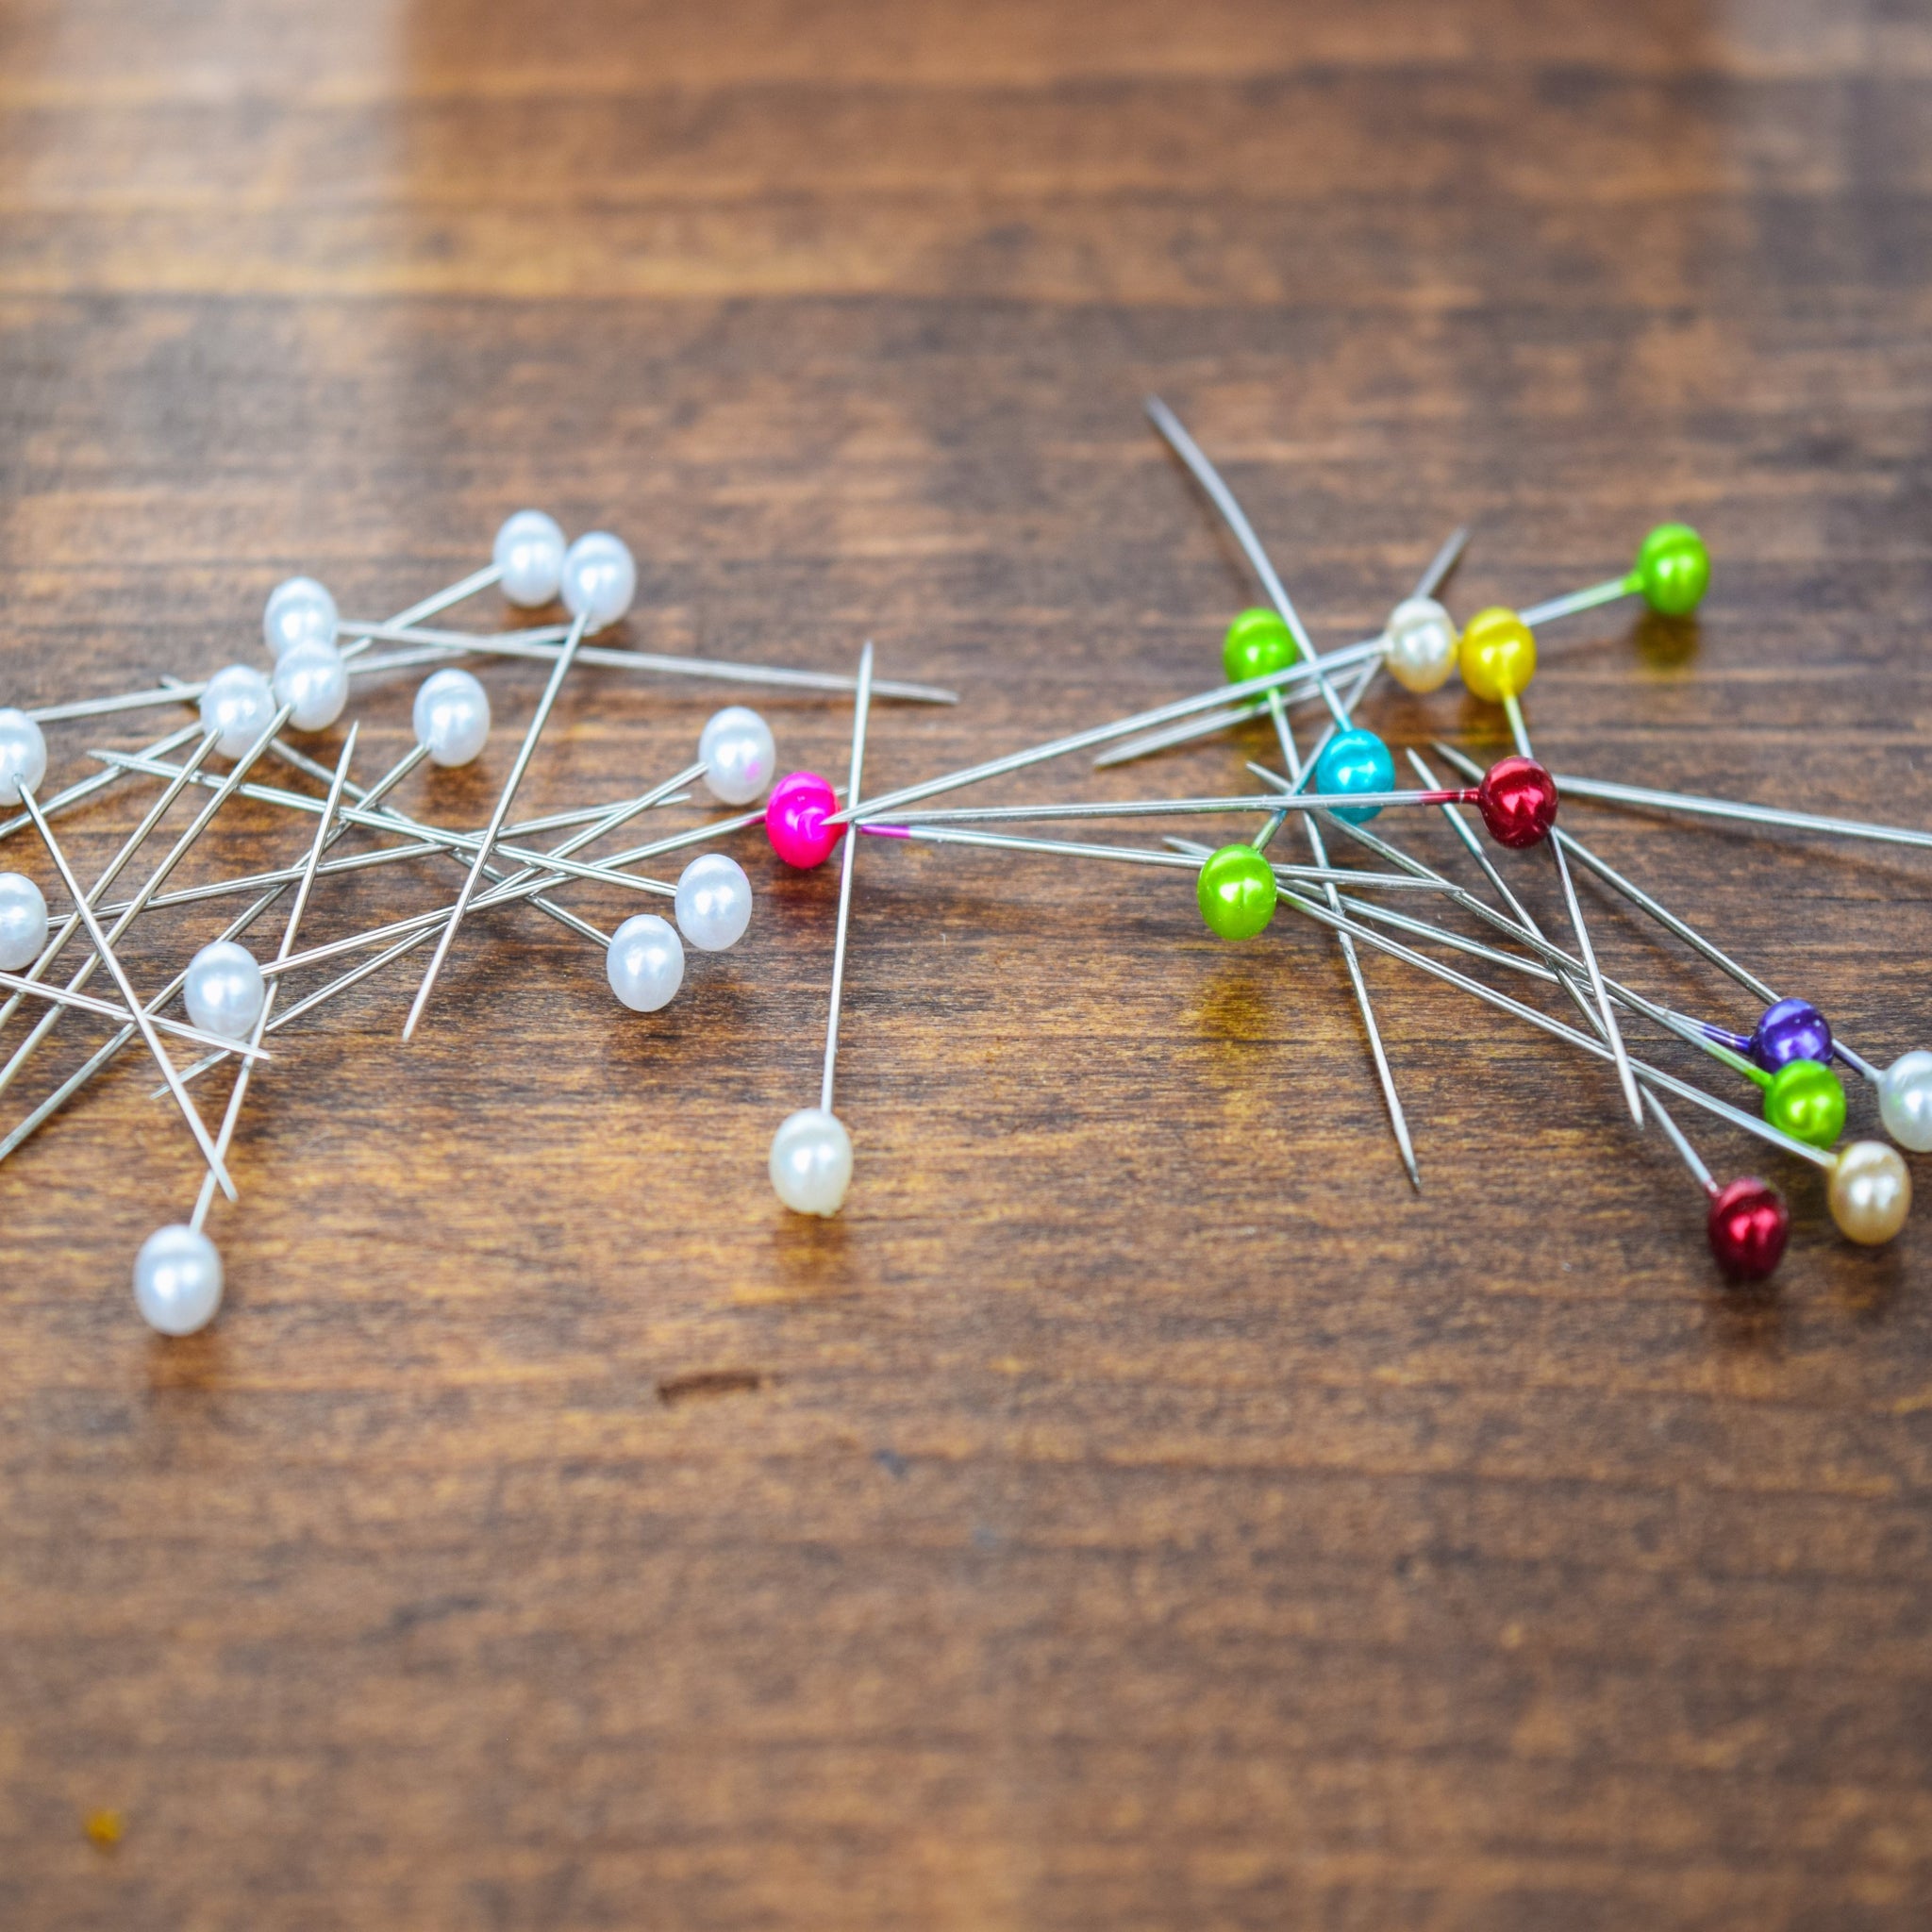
[
  {"x": 451, "y": 717},
  {"x": 155, "y": 879},
  {"x": 150, "y": 1035},
  {"x": 22, "y": 922},
  {"x": 179, "y": 1277},
  {"x": 101, "y": 1058},
  {"x": 235, "y": 704},
  {"x": 23, "y": 755},
  {"x": 810, "y": 1161},
  {"x": 739, "y": 755},
  {"x": 314, "y": 682},
  {"x": 599, "y": 580},
  {"x": 527, "y": 560},
  {"x": 52, "y": 948}
]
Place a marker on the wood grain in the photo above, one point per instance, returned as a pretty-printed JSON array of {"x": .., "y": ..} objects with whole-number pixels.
[{"x": 1137, "y": 1510}]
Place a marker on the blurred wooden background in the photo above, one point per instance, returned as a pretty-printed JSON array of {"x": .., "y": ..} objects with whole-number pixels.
[{"x": 1138, "y": 1510}]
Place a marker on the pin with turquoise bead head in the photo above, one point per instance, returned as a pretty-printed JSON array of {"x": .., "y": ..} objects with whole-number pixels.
[{"x": 1355, "y": 760}]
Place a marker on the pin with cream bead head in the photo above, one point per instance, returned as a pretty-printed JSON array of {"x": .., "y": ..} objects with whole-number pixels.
[
  {"x": 1869, "y": 1192},
  {"x": 810, "y": 1161}
]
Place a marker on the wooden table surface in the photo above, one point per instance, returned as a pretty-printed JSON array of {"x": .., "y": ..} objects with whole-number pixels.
[{"x": 1138, "y": 1509}]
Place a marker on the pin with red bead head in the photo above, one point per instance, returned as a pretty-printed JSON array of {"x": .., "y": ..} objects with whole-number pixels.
[
  {"x": 1517, "y": 800},
  {"x": 1904, "y": 1087},
  {"x": 1746, "y": 1222},
  {"x": 1869, "y": 1188},
  {"x": 1788, "y": 1030},
  {"x": 1498, "y": 660}
]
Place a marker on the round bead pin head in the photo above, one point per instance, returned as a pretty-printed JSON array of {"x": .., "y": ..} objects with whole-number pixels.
[
  {"x": 1355, "y": 760},
  {"x": 1518, "y": 801},
  {"x": 1748, "y": 1225},
  {"x": 795, "y": 816},
  {"x": 1257, "y": 644},
  {"x": 1673, "y": 570},
  {"x": 1237, "y": 893},
  {"x": 1497, "y": 655}
]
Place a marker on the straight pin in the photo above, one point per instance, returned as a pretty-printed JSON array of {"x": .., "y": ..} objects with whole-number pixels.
[
  {"x": 810, "y": 1161},
  {"x": 104, "y": 952},
  {"x": 558, "y": 671}
]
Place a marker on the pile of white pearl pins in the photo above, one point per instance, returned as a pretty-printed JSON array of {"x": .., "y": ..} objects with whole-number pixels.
[
  {"x": 1270, "y": 662},
  {"x": 243, "y": 716}
]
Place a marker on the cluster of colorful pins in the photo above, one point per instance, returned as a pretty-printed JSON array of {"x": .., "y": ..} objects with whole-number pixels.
[
  {"x": 244, "y": 714},
  {"x": 1270, "y": 662},
  {"x": 1347, "y": 781}
]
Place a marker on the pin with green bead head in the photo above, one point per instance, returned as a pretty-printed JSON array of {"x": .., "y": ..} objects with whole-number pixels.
[
  {"x": 1806, "y": 1101},
  {"x": 1673, "y": 570},
  {"x": 1257, "y": 644},
  {"x": 1237, "y": 893},
  {"x": 1671, "y": 574}
]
